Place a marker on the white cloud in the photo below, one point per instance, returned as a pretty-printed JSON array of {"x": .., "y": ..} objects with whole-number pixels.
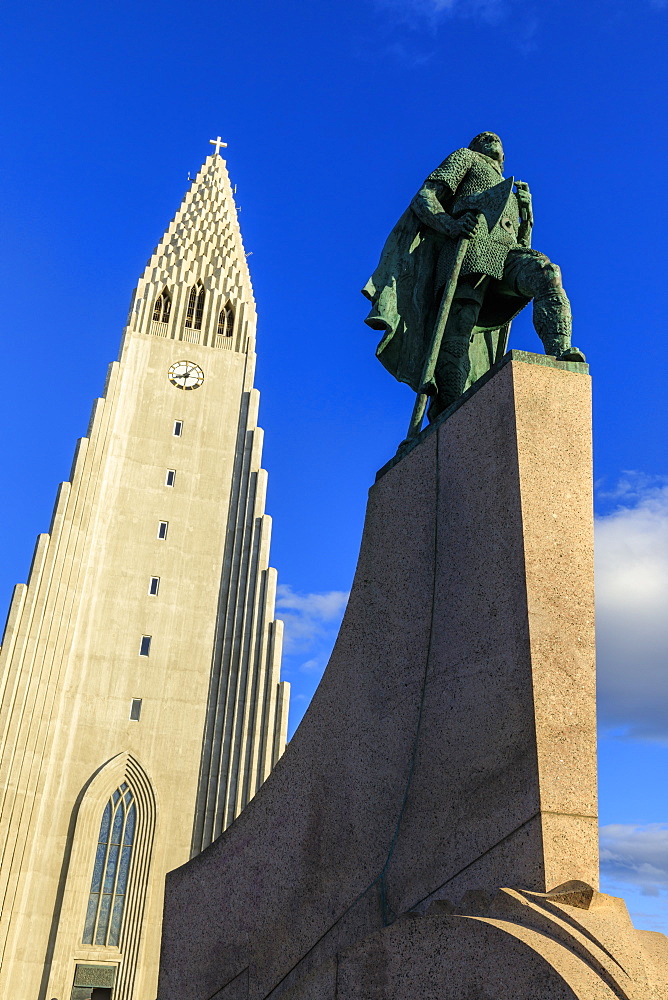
[
  {"x": 443, "y": 6},
  {"x": 312, "y": 666},
  {"x": 434, "y": 10},
  {"x": 524, "y": 29},
  {"x": 310, "y": 620},
  {"x": 632, "y": 487},
  {"x": 632, "y": 611},
  {"x": 636, "y": 855},
  {"x": 324, "y": 606}
]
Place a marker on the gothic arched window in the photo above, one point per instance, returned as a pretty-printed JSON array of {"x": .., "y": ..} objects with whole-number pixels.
[
  {"x": 226, "y": 321},
  {"x": 162, "y": 308},
  {"x": 195, "y": 309},
  {"x": 111, "y": 869}
]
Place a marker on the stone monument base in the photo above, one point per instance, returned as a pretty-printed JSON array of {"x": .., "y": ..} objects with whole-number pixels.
[
  {"x": 450, "y": 748},
  {"x": 572, "y": 942}
]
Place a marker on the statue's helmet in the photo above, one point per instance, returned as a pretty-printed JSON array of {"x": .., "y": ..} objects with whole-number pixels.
[{"x": 484, "y": 137}]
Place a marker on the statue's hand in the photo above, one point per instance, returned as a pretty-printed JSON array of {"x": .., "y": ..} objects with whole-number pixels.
[
  {"x": 465, "y": 226},
  {"x": 524, "y": 200}
]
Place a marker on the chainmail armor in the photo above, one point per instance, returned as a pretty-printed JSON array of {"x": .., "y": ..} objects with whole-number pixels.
[{"x": 466, "y": 172}]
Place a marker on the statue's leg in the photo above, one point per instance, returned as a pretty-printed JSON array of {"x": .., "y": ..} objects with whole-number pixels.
[
  {"x": 453, "y": 365},
  {"x": 534, "y": 276}
]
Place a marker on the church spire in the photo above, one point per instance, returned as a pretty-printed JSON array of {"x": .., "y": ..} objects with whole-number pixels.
[
  {"x": 141, "y": 661},
  {"x": 196, "y": 286}
]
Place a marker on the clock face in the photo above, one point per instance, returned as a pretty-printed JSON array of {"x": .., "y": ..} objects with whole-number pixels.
[{"x": 186, "y": 375}]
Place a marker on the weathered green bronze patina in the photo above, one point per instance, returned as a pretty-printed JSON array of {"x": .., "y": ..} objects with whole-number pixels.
[{"x": 466, "y": 236}]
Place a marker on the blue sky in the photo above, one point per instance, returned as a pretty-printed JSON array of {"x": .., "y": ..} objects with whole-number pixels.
[{"x": 334, "y": 112}]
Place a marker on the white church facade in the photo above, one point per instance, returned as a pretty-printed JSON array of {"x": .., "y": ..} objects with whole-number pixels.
[{"x": 140, "y": 700}]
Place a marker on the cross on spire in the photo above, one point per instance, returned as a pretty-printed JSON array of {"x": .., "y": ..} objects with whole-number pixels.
[{"x": 217, "y": 142}]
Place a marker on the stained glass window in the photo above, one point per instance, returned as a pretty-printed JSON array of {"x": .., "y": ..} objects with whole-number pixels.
[{"x": 111, "y": 869}]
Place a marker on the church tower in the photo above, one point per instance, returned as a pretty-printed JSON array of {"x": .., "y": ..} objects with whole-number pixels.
[{"x": 140, "y": 700}]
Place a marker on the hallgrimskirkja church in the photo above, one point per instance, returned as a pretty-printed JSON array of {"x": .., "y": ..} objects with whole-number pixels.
[{"x": 140, "y": 703}]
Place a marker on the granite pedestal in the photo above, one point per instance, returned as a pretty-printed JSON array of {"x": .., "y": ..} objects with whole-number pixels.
[{"x": 431, "y": 830}]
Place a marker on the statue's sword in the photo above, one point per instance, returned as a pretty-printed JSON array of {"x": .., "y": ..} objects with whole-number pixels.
[{"x": 489, "y": 206}]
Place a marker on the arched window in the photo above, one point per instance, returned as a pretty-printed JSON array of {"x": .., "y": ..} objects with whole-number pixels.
[
  {"x": 226, "y": 321},
  {"x": 110, "y": 871},
  {"x": 162, "y": 308},
  {"x": 195, "y": 309}
]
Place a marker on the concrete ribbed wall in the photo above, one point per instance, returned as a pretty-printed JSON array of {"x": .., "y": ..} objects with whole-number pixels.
[{"x": 70, "y": 664}]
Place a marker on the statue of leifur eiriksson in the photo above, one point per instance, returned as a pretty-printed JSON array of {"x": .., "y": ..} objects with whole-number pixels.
[{"x": 455, "y": 270}]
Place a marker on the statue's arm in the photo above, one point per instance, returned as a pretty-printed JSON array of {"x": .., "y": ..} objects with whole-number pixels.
[
  {"x": 524, "y": 233},
  {"x": 526, "y": 213},
  {"x": 428, "y": 207}
]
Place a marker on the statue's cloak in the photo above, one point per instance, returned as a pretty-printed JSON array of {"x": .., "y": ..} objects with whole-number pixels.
[
  {"x": 402, "y": 292},
  {"x": 406, "y": 287}
]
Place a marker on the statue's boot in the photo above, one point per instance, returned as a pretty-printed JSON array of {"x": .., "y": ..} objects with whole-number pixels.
[
  {"x": 562, "y": 349},
  {"x": 452, "y": 373}
]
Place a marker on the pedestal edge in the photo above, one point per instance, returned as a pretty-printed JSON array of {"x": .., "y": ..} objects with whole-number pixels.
[{"x": 525, "y": 357}]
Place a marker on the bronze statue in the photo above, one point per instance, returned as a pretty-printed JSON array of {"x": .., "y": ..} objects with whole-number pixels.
[{"x": 455, "y": 270}]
